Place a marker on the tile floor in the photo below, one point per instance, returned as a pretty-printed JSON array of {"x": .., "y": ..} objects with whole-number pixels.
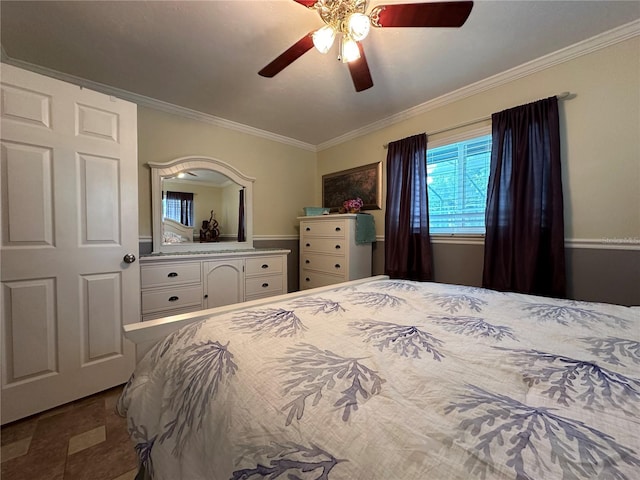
[{"x": 82, "y": 440}]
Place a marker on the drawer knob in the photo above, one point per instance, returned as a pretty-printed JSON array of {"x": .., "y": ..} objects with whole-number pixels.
[
  {"x": 337, "y": 247},
  {"x": 338, "y": 229},
  {"x": 307, "y": 261},
  {"x": 173, "y": 299},
  {"x": 307, "y": 279},
  {"x": 308, "y": 245},
  {"x": 206, "y": 296},
  {"x": 172, "y": 274},
  {"x": 265, "y": 285},
  {"x": 264, "y": 265},
  {"x": 308, "y": 229},
  {"x": 337, "y": 265}
]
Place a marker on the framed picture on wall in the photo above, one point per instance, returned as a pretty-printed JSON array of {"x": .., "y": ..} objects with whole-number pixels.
[{"x": 364, "y": 182}]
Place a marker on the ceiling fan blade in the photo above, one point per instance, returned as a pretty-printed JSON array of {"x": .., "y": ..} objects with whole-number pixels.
[
  {"x": 360, "y": 73},
  {"x": 436, "y": 14},
  {"x": 306, "y": 3},
  {"x": 289, "y": 56}
]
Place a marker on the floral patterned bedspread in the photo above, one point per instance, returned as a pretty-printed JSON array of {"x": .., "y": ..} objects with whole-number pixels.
[{"x": 394, "y": 380}]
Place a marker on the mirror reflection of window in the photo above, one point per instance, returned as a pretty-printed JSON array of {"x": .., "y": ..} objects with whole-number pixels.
[
  {"x": 210, "y": 191},
  {"x": 214, "y": 186},
  {"x": 178, "y": 206}
]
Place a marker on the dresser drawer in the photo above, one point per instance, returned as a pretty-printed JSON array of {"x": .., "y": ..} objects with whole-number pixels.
[
  {"x": 326, "y": 245},
  {"x": 330, "y": 228},
  {"x": 263, "y": 265},
  {"x": 170, "y": 274},
  {"x": 171, "y": 298},
  {"x": 263, "y": 286},
  {"x": 310, "y": 279},
  {"x": 334, "y": 264}
]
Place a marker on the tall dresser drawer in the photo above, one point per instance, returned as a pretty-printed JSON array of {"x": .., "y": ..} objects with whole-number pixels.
[
  {"x": 263, "y": 265},
  {"x": 331, "y": 228},
  {"x": 171, "y": 274},
  {"x": 164, "y": 299},
  {"x": 334, "y": 264},
  {"x": 310, "y": 279},
  {"x": 327, "y": 245}
]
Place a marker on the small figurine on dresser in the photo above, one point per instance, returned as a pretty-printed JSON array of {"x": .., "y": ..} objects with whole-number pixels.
[{"x": 209, "y": 232}]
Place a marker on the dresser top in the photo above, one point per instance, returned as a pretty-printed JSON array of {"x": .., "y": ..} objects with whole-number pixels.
[{"x": 249, "y": 252}]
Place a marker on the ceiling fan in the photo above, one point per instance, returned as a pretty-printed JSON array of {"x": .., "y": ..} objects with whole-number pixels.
[{"x": 346, "y": 20}]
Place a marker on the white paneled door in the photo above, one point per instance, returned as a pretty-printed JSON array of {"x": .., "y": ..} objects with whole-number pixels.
[{"x": 69, "y": 194}]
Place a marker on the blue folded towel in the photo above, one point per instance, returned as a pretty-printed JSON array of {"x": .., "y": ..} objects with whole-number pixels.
[{"x": 365, "y": 228}]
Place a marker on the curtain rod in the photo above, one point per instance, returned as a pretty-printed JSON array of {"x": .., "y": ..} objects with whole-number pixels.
[{"x": 560, "y": 96}]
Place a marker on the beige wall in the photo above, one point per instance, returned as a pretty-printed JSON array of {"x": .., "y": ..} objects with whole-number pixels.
[
  {"x": 600, "y": 131},
  {"x": 285, "y": 175}
]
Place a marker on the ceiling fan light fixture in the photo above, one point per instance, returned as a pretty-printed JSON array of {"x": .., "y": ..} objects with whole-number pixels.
[
  {"x": 358, "y": 25},
  {"x": 349, "y": 50},
  {"x": 323, "y": 38}
]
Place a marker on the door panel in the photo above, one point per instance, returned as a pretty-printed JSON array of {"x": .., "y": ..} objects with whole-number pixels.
[
  {"x": 69, "y": 215},
  {"x": 28, "y": 178},
  {"x": 32, "y": 351}
]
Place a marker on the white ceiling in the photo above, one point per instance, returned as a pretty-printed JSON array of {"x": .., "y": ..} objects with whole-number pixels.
[{"x": 205, "y": 55}]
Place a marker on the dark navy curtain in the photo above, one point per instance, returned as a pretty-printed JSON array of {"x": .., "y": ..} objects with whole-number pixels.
[
  {"x": 241, "y": 230},
  {"x": 407, "y": 251},
  {"x": 524, "y": 243}
]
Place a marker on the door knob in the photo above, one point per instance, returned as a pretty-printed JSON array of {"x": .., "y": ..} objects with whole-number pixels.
[{"x": 129, "y": 258}]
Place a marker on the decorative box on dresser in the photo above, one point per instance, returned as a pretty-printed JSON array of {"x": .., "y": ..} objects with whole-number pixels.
[
  {"x": 329, "y": 253},
  {"x": 179, "y": 283}
]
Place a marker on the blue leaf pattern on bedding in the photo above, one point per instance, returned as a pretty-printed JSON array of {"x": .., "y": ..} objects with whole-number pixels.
[
  {"x": 313, "y": 370},
  {"x": 606, "y": 349},
  {"x": 375, "y": 299},
  {"x": 274, "y": 321},
  {"x": 319, "y": 305},
  {"x": 474, "y": 327},
  {"x": 564, "y": 314},
  {"x": 200, "y": 370},
  {"x": 397, "y": 285},
  {"x": 580, "y": 451},
  {"x": 400, "y": 339},
  {"x": 576, "y": 380},
  {"x": 453, "y": 303},
  {"x": 183, "y": 335},
  {"x": 288, "y": 458},
  {"x": 144, "y": 444}
]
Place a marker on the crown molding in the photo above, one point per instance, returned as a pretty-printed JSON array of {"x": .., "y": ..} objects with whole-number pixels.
[
  {"x": 566, "y": 54},
  {"x": 603, "y": 40},
  {"x": 142, "y": 100}
]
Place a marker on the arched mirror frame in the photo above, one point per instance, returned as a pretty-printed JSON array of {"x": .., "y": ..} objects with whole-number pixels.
[{"x": 172, "y": 168}]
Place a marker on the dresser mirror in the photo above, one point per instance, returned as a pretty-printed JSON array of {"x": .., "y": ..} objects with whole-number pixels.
[{"x": 200, "y": 204}]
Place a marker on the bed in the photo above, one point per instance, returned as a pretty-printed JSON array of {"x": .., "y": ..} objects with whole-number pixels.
[
  {"x": 389, "y": 379},
  {"x": 176, "y": 232}
]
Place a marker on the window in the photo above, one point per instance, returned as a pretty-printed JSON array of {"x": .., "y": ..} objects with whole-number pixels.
[
  {"x": 178, "y": 206},
  {"x": 457, "y": 179}
]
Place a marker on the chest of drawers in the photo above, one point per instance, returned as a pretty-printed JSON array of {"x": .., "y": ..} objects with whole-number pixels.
[{"x": 329, "y": 253}]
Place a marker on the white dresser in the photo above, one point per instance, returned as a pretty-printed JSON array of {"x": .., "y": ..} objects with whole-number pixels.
[
  {"x": 329, "y": 253},
  {"x": 173, "y": 284}
]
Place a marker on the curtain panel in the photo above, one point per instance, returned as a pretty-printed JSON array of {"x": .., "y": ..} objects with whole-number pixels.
[
  {"x": 241, "y": 231},
  {"x": 524, "y": 242},
  {"x": 407, "y": 242}
]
